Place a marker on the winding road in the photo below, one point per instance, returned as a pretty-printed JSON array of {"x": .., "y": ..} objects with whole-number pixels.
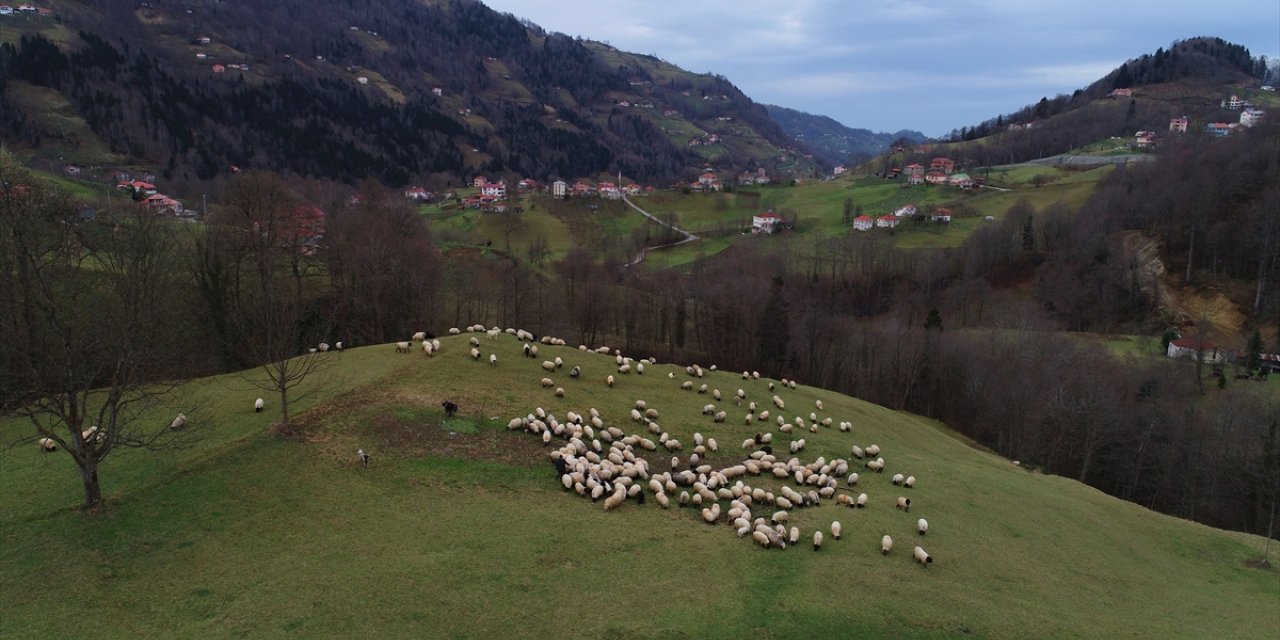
[{"x": 688, "y": 237}]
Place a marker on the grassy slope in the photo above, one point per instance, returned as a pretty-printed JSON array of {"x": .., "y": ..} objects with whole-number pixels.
[{"x": 464, "y": 532}]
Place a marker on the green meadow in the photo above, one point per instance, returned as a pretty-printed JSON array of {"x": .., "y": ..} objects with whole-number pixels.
[{"x": 460, "y": 529}]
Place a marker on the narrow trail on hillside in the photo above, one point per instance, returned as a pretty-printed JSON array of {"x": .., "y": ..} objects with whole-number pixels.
[{"x": 688, "y": 237}]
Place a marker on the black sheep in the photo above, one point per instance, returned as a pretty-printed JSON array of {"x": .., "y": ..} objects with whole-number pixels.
[{"x": 450, "y": 408}]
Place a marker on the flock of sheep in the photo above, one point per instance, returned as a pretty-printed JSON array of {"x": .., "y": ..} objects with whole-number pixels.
[{"x": 602, "y": 461}]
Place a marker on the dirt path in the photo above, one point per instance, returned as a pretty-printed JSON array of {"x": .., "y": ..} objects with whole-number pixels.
[{"x": 688, "y": 237}]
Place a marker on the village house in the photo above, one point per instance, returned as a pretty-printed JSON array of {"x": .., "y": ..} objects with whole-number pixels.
[
  {"x": 161, "y": 204},
  {"x": 1218, "y": 129},
  {"x": 1250, "y": 117},
  {"x": 479, "y": 181},
  {"x": 1178, "y": 125},
  {"x": 5, "y": 10},
  {"x": 766, "y": 222},
  {"x": 943, "y": 164},
  {"x": 1234, "y": 103},
  {"x": 838, "y": 170},
  {"x": 863, "y": 223},
  {"x": 962, "y": 180},
  {"x": 889, "y": 221},
  {"x": 526, "y": 185},
  {"x": 707, "y": 182},
  {"x": 494, "y": 189},
  {"x": 609, "y": 191},
  {"x": 905, "y": 211},
  {"x": 1121, "y": 92},
  {"x": 936, "y": 177},
  {"x": 1188, "y": 347},
  {"x": 218, "y": 68},
  {"x": 417, "y": 193},
  {"x": 1144, "y": 139},
  {"x": 941, "y": 214},
  {"x": 559, "y": 188}
]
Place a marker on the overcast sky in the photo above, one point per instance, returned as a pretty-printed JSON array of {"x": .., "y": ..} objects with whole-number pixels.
[{"x": 901, "y": 64}]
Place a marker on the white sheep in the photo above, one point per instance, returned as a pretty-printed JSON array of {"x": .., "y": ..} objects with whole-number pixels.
[
  {"x": 609, "y": 381},
  {"x": 898, "y": 478},
  {"x": 258, "y": 405},
  {"x": 428, "y": 349},
  {"x": 403, "y": 347},
  {"x": 493, "y": 359},
  {"x": 904, "y": 503},
  {"x": 862, "y": 501},
  {"x": 178, "y": 422},
  {"x": 453, "y": 331},
  {"x": 639, "y": 367},
  {"x": 419, "y": 336},
  {"x": 559, "y": 362},
  {"x": 922, "y": 526},
  {"x": 48, "y": 445},
  {"x": 873, "y": 450},
  {"x": 835, "y": 529},
  {"x": 886, "y": 544},
  {"x": 922, "y": 556},
  {"x": 474, "y": 342},
  {"x": 548, "y": 365},
  {"x": 323, "y": 347},
  {"x": 817, "y": 540},
  {"x": 547, "y": 382},
  {"x": 475, "y": 353},
  {"x": 818, "y": 403},
  {"x": 910, "y": 482}
]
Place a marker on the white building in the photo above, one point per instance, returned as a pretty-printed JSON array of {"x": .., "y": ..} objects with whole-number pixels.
[
  {"x": 766, "y": 222},
  {"x": 559, "y": 188}
]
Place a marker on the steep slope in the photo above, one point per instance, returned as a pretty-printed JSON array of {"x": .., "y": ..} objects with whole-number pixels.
[
  {"x": 460, "y": 528},
  {"x": 834, "y": 142},
  {"x": 391, "y": 89}
]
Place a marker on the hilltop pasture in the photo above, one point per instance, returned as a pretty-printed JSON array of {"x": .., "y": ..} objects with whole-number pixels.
[{"x": 460, "y": 529}]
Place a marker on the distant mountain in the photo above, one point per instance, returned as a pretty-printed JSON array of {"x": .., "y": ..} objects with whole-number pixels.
[
  {"x": 423, "y": 91},
  {"x": 834, "y": 142}
]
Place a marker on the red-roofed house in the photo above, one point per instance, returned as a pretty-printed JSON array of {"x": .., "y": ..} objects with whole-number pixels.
[
  {"x": 943, "y": 164},
  {"x": 416, "y": 193},
  {"x": 1178, "y": 125},
  {"x": 941, "y": 214},
  {"x": 219, "y": 68},
  {"x": 936, "y": 177},
  {"x": 863, "y": 223},
  {"x": 889, "y": 221},
  {"x": 766, "y": 222},
  {"x": 480, "y": 181},
  {"x": 1189, "y": 347},
  {"x": 160, "y": 203},
  {"x": 494, "y": 189}
]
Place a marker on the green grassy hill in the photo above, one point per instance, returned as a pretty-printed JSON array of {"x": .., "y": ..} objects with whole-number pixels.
[{"x": 460, "y": 529}]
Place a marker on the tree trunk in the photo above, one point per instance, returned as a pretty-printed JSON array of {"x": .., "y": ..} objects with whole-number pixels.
[
  {"x": 284, "y": 407},
  {"x": 92, "y": 490}
]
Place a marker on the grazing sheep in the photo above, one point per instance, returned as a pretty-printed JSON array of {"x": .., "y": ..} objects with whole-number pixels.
[
  {"x": 711, "y": 445},
  {"x": 559, "y": 362},
  {"x": 178, "y": 422},
  {"x": 862, "y": 501},
  {"x": 475, "y": 353},
  {"x": 715, "y": 393},
  {"x": 795, "y": 535},
  {"x": 493, "y": 359},
  {"x": 258, "y": 405},
  {"x": 428, "y": 349},
  {"x": 547, "y": 382},
  {"x": 419, "y": 336},
  {"x": 575, "y": 372},
  {"x": 910, "y": 482},
  {"x": 435, "y": 345},
  {"x": 548, "y": 365},
  {"x": 48, "y": 445},
  {"x": 835, "y": 529},
  {"x": 609, "y": 381},
  {"x": 873, "y": 450},
  {"x": 818, "y": 403},
  {"x": 922, "y": 556},
  {"x": 453, "y": 331},
  {"x": 403, "y": 347},
  {"x": 817, "y": 540},
  {"x": 474, "y": 342},
  {"x": 363, "y": 458},
  {"x": 886, "y": 544},
  {"x": 639, "y": 367},
  {"x": 323, "y": 347},
  {"x": 922, "y": 526},
  {"x": 857, "y": 452},
  {"x": 904, "y": 503},
  {"x": 687, "y": 385},
  {"x": 897, "y": 479}
]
